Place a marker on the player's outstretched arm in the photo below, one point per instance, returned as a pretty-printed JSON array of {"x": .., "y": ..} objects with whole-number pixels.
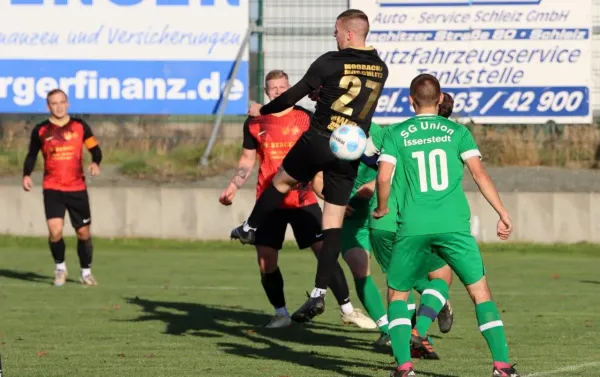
[
  {"x": 242, "y": 173},
  {"x": 489, "y": 192},
  {"x": 288, "y": 98},
  {"x": 35, "y": 144}
]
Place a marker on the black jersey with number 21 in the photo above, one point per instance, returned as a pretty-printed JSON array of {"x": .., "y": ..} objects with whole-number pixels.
[{"x": 350, "y": 83}]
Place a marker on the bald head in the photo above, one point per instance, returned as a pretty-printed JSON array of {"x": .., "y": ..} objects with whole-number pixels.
[
  {"x": 351, "y": 28},
  {"x": 425, "y": 92}
]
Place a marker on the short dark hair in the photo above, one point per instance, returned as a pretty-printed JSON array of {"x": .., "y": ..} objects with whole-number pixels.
[
  {"x": 445, "y": 108},
  {"x": 354, "y": 14},
  {"x": 425, "y": 90},
  {"x": 53, "y": 92}
]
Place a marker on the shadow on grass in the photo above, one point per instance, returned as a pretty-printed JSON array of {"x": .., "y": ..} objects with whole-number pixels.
[
  {"x": 252, "y": 339},
  {"x": 29, "y": 276}
]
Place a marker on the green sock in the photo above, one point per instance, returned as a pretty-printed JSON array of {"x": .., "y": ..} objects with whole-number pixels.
[
  {"x": 421, "y": 285},
  {"x": 371, "y": 299},
  {"x": 492, "y": 329},
  {"x": 432, "y": 301},
  {"x": 411, "y": 307},
  {"x": 400, "y": 328}
]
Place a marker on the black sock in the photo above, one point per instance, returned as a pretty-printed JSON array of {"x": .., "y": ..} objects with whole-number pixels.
[
  {"x": 58, "y": 250},
  {"x": 328, "y": 257},
  {"x": 85, "y": 252},
  {"x": 268, "y": 202},
  {"x": 273, "y": 285},
  {"x": 339, "y": 285}
]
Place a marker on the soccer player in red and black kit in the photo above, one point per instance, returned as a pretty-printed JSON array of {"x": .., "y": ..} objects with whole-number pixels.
[
  {"x": 61, "y": 140},
  {"x": 349, "y": 83},
  {"x": 271, "y": 137}
]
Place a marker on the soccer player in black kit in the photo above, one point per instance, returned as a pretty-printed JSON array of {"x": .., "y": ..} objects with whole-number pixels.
[{"x": 348, "y": 82}]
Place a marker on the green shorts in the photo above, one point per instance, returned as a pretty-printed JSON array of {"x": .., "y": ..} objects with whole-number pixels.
[
  {"x": 411, "y": 258},
  {"x": 355, "y": 234},
  {"x": 382, "y": 242},
  {"x": 355, "y": 231}
]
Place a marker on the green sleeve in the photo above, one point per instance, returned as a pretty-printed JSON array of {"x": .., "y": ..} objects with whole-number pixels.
[
  {"x": 467, "y": 146},
  {"x": 389, "y": 150},
  {"x": 376, "y": 132}
]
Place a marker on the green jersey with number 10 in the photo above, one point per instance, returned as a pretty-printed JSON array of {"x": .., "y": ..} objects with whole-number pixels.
[{"x": 429, "y": 153}]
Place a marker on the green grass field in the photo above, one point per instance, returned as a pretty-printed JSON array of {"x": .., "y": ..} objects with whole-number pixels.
[{"x": 197, "y": 309}]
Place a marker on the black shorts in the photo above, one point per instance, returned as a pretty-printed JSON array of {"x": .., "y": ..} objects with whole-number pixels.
[
  {"x": 76, "y": 202},
  {"x": 310, "y": 155},
  {"x": 305, "y": 222}
]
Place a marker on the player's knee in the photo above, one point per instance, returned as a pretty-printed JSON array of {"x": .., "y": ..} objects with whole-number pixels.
[
  {"x": 444, "y": 273},
  {"x": 394, "y": 295},
  {"x": 333, "y": 216},
  {"x": 358, "y": 261},
  {"x": 83, "y": 233},
  {"x": 282, "y": 181},
  {"x": 267, "y": 259},
  {"x": 480, "y": 291},
  {"x": 55, "y": 230}
]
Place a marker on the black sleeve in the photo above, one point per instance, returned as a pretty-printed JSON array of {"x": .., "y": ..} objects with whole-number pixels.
[
  {"x": 91, "y": 143},
  {"x": 96, "y": 153},
  {"x": 35, "y": 144},
  {"x": 87, "y": 131},
  {"x": 312, "y": 80},
  {"x": 288, "y": 98},
  {"x": 249, "y": 141},
  {"x": 370, "y": 161}
]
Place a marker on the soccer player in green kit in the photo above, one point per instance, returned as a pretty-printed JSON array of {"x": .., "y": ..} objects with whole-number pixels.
[
  {"x": 426, "y": 155},
  {"x": 362, "y": 234}
]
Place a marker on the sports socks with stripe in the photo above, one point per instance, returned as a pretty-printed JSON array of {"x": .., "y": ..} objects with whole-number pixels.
[
  {"x": 433, "y": 299},
  {"x": 492, "y": 329},
  {"x": 399, "y": 330}
]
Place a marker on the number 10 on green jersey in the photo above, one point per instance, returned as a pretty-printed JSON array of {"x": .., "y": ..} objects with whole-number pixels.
[{"x": 429, "y": 152}]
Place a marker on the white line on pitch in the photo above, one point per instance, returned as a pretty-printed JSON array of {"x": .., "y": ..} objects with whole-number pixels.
[
  {"x": 121, "y": 286},
  {"x": 565, "y": 369}
]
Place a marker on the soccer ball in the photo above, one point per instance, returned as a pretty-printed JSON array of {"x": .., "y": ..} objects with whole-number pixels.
[{"x": 348, "y": 142}]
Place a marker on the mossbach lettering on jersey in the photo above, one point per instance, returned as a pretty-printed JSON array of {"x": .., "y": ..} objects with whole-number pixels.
[
  {"x": 368, "y": 70},
  {"x": 426, "y": 125},
  {"x": 337, "y": 121}
]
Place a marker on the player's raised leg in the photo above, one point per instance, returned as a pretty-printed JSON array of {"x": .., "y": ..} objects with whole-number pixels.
[{"x": 268, "y": 202}]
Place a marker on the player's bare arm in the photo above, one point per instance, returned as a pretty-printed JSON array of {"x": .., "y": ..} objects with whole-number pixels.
[
  {"x": 384, "y": 186},
  {"x": 489, "y": 192},
  {"x": 242, "y": 173},
  {"x": 35, "y": 145}
]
